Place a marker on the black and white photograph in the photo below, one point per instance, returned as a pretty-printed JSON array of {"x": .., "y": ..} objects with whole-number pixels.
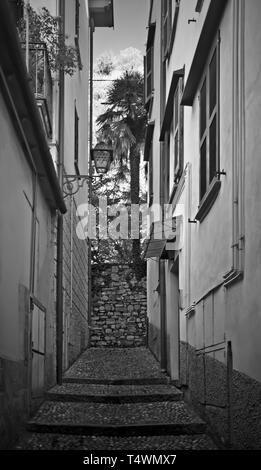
[{"x": 130, "y": 232}]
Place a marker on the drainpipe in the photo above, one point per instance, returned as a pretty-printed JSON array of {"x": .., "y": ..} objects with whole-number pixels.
[
  {"x": 162, "y": 274},
  {"x": 90, "y": 167},
  {"x": 27, "y": 6},
  {"x": 59, "y": 266},
  {"x": 163, "y": 306}
]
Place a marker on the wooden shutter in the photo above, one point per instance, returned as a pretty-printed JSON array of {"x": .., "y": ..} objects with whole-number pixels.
[
  {"x": 167, "y": 14},
  {"x": 178, "y": 131},
  {"x": 77, "y": 18},
  {"x": 149, "y": 74},
  {"x": 151, "y": 177}
]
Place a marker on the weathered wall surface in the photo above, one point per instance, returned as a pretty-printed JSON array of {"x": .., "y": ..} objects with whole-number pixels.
[
  {"x": 119, "y": 309},
  {"x": 227, "y": 399},
  {"x": 16, "y": 279},
  {"x": 75, "y": 282}
]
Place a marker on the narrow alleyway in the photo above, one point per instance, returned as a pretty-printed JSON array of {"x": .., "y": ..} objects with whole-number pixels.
[{"x": 115, "y": 399}]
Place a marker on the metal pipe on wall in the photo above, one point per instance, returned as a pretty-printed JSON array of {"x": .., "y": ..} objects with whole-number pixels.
[
  {"x": 163, "y": 323},
  {"x": 59, "y": 267},
  {"x": 242, "y": 132},
  {"x": 27, "y": 6},
  {"x": 90, "y": 166}
]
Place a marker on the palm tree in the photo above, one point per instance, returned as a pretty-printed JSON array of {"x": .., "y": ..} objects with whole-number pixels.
[{"x": 123, "y": 123}]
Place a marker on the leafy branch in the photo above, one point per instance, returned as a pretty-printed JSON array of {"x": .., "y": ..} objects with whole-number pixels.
[{"x": 43, "y": 27}]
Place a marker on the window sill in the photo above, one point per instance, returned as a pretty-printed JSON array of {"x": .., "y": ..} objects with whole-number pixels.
[{"x": 208, "y": 200}]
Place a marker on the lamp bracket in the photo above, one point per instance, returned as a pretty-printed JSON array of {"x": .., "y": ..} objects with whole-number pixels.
[
  {"x": 221, "y": 173},
  {"x": 68, "y": 185}
]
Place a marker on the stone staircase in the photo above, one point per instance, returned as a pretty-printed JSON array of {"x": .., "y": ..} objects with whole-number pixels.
[{"x": 94, "y": 411}]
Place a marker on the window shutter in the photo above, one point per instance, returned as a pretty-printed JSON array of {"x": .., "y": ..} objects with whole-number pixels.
[
  {"x": 144, "y": 84},
  {"x": 209, "y": 122},
  {"x": 149, "y": 74},
  {"x": 151, "y": 178},
  {"x": 167, "y": 18},
  {"x": 178, "y": 131},
  {"x": 165, "y": 168},
  {"x": 181, "y": 128},
  {"x": 77, "y": 18}
]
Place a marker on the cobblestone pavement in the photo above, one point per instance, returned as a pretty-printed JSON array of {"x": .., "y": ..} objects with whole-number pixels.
[
  {"x": 102, "y": 393},
  {"x": 116, "y": 363},
  {"x": 120, "y": 414},
  {"x": 125, "y": 404},
  {"x": 71, "y": 442}
]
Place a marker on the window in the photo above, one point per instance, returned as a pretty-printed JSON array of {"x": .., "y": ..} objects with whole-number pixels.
[
  {"x": 166, "y": 17},
  {"x": 149, "y": 73},
  {"x": 77, "y": 33},
  {"x": 76, "y": 140},
  {"x": 77, "y": 18},
  {"x": 172, "y": 124},
  {"x": 149, "y": 64},
  {"x": 209, "y": 124},
  {"x": 178, "y": 132},
  {"x": 165, "y": 168},
  {"x": 148, "y": 156},
  {"x": 199, "y": 6}
]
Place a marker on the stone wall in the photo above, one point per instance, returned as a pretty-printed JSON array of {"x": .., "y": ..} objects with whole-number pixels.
[{"x": 119, "y": 307}]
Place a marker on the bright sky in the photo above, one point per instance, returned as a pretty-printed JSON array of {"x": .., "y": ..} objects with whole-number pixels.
[{"x": 130, "y": 22}]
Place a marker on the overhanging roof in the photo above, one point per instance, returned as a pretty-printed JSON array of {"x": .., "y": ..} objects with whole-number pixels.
[
  {"x": 159, "y": 244},
  {"x": 207, "y": 36},
  {"x": 154, "y": 248},
  {"x": 102, "y": 13}
]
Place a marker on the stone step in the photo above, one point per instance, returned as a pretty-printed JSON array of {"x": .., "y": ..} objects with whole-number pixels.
[
  {"x": 44, "y": 441},
  {"x": 118, "y": 381},
  {"x": 113, "y": 393},
  {"x": 127, "y": 419},
  {"x": 119, "y": 366}
]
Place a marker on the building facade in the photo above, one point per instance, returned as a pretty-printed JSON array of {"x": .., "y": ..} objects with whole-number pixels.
[
  {"x": 30, "y": 198},
  {"x": 203, "y": 102},
  {"x": 45, "y": 136}
]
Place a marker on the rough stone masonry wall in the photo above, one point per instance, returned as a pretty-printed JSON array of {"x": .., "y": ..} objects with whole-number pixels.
[{"x": 119, "y": 307}]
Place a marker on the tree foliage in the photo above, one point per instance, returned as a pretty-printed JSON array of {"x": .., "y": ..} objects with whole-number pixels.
[
  {"x": 104, "y": 64},
  {"x": 124, "y": 120},
  {"x": 115, "y": 187},
  {"x": 123, "y": 124},
  {"x": 43, "y": 27}
]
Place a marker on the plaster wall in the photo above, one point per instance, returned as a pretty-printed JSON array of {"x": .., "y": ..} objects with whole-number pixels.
[
  {"x": 153, "y": 265},
  {"x": 16, "y": 234}
]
